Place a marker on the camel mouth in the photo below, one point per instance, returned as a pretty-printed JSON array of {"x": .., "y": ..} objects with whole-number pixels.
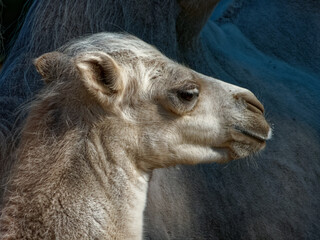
[
  {"x": 246, "y": 142},
  {"x": 256, "y": 136}
]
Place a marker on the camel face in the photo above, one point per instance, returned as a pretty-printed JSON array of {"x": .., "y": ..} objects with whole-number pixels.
[
  {"x": 195, "y": 119},
  {"x": 167, "y": 113}
]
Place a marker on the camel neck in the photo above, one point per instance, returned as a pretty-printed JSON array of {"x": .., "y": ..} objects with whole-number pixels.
[
  {"x": 123, "y": 187},
  {"x": 91, "y": 189}
]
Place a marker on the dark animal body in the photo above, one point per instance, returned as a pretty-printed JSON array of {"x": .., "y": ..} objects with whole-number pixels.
[{"x": 277, "y": 199}]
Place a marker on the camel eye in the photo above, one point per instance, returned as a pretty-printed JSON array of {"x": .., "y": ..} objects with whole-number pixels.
[
  {"x": 188, "y": 95},
  {"x": 182, "y": 100}
]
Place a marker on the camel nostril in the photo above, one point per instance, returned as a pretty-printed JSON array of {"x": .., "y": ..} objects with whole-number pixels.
[{"x": 253, "y": 104}]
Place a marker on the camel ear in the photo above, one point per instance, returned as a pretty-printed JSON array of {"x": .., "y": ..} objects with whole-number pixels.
[
  {"x": 47, "y": 64},
  {"x": 100, "y": 73}
]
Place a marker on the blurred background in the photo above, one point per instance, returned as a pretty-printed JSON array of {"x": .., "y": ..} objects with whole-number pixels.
[{"x": 11, "y": 14}]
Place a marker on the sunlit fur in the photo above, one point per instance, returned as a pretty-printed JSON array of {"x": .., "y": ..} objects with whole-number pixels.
[{"x": 108, "y": 116}]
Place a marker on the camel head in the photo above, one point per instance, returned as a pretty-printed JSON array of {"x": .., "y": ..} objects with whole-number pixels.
[{"x": 163, "y": 113}]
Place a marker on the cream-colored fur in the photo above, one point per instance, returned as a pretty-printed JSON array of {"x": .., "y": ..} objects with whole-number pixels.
[{"x": 114, "y": 109}]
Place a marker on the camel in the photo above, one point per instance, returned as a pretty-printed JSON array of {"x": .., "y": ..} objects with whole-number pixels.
[{"x": 114, "y": 108}]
